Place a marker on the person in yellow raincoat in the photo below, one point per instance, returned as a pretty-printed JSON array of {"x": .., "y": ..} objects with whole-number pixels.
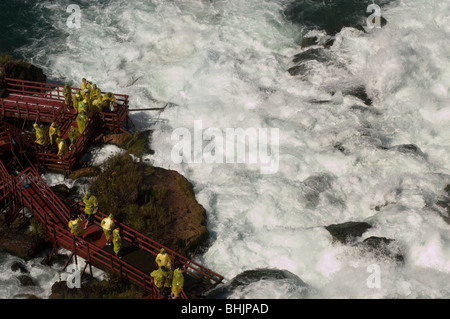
[
  {"x": 107, "y": 225},
  {"x": 95, "y": 92},
  {"x": 62, "y": 146},
  {"x": 85, "y": 87},
  {"x": 163, "y": 259},
  {"x": 67, "y": 92},
  {"x": 84, "y": 105},
  {"x": 90, "y": 208},
  {"x": 40, "y": 135},
  {"x": 82, "y": 120},
  {"x": 117, "y": 241},
  {"x": 97, "y": 105},
  {"x": 76, "y": 100},
  {"x": 177, "y": 282},
  {"x": 53, "y": 133},
  {"x": 109, "y": 100},
  {"x": 160, "y": 278},
  {"x": 73, "y": 135},
  {"x": 75, "y": 226}
]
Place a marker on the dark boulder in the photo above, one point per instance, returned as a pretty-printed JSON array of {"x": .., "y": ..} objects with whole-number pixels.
[
  {"x": 360, "y": 92},
  {"x": 382, "y": 247},
  {"x": 347, "y": 232},
  {"x": 89, "y": 171},
  {"x": 309, "y": 41},
  {"x": 409, "y": 149},
  {"x": 20, "y": 267},
  {"x": 157, "y": 202},
  {"x": 252, "y": 276},
  {"x": 303, "y": 59},
  {"x": 21, "y": 70},
  {"x": 26, "y": 280},
  {"x": 20, "y": 244}
]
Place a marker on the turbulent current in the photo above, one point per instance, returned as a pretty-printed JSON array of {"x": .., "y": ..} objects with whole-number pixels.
[{"x": 380, "y": 156}]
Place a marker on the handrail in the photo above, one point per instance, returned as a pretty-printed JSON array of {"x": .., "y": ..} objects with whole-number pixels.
[
  {"x": 29, "y": 179},
  {"x": 65, "y": 239},
  {"x": 43, "y": 87},
  {"x": 45, "y": 102},
  {"x": 153, "y": 247}
]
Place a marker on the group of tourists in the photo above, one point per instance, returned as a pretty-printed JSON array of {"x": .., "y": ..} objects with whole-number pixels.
[
  {"x": 88, "y": 101},
  {"x": 164, "y": 277},
  {"x": 107, "y": 223},
  {"x": 52, "y": 139}
]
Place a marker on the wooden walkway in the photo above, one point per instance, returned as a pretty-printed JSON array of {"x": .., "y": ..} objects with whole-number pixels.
[{"x": 30, "y": 101}]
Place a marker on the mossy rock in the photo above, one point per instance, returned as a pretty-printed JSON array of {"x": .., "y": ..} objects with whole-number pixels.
[
  {"x": 157, "y": 202},
  {"x": 137, "y": 144},
  {"x": 113, "y": 287},
  {"x": 20, "y": 244},
  {"x": 20, "y": 70},
  {"x": 90, "y": 171}
]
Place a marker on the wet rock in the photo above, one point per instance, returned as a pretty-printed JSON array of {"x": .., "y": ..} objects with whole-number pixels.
[
  {"x": 26, "y": 280},
  {"x": 309, "y": 41},
  {"x": 365, "y": 109},
  {"x": 341, "y": 148},
  {"x": 360, "y": 27},
  {"x": 382, "y": 247},
  {"x": 443, "y": 201},
  {"x": 347, "y": 232},
  {"x": 21, "y": 70},
  {"x": 447, "y": 189},
  {"x": 302, "y": 60},
  {"x": 249, "y": 277},
  {"x": 18, "y": 266},
  {"x": 359, "y": 92},
  {"x": 137, "y": 144},
  {"x": 313, "y": 186},
  {"x": 317, "y": 54},
  {"x": 409, "y": 149},
  {"x": 298, "y": 69},
  {"x": 90, "y": 171},
  {"x": 157, "y": 202},
  {"x": 20, "y": 244},
  {"x": 329, "y": 43},
  {"x": 60, "y": 290}
]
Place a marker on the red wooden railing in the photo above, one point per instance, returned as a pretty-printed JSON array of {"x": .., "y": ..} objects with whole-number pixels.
[
  {"x": 43, "y": 203},
  {"x": 44, "y": 102}
]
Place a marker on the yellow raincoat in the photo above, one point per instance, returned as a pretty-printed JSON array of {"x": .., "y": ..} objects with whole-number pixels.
[
  {"x": 40, "y": 135},
  {"x": 82, "y": 121},
  {"x": 177, "y": 283},
  {"x": 91, "y": 204},
  {"x": 117, "y": 241},
  {"x": 163, "y": 259},
  {"x": 73, "y": 135},
  {"x": 67, "y": 92},
  {"x": 75, "y": 227},
  {"x": 160, "y": 278},
  {"x": 107, "y": 225},
  {"x": 62, "y": 146},
  {"x": 53, "y": 133}
]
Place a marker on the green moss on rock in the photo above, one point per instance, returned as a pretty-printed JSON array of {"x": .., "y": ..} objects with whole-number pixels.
[{"x": 157, "y": 202}]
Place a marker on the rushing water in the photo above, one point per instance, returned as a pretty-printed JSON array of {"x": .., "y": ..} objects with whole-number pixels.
[{"x": 224, "y": 64}]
